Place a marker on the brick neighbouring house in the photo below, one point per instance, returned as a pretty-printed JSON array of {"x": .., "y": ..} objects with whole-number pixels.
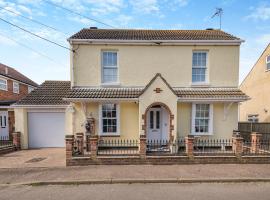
[{"x": 13, "y": 87}]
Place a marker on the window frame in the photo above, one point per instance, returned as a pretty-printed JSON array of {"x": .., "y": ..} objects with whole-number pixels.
[
  {"x": 206, "y": 82},
  {"x": 28, "y": 89},
  {"x": 117, "y": 133},
  {"x": 14, "y": 83},
  {"x": 267, "y": 62},
  {"x": 117, "y": 67},
  {"x": 6, "y": 89},
  {"x": 210, "y": 122}
]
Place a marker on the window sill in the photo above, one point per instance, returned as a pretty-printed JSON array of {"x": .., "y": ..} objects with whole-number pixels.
[
  {"x": 110, "y": 84},
  {"x": 200, "y": 84}
]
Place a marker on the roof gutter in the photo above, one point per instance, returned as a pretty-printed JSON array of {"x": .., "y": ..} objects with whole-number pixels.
[
  {"x": 156, "y": 42},
  {"x": 212, "y": 100},
  {"x": 101, "y": 99},
  {"x": 39, "y": 106}
]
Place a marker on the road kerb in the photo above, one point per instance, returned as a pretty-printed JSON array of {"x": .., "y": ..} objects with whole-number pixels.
[{"x": 137, "y": 181}]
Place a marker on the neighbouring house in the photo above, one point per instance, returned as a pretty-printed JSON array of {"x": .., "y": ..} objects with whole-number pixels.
[
  {"x": 164, "y": 84},
  {"x": 13, "y": 87},
  {"x": 256, "y": 85}
]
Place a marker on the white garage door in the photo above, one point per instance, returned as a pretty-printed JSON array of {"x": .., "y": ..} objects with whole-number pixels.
[{"x": 46, "y": 129}]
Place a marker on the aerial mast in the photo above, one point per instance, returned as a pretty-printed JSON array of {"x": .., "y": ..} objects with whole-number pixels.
[{"x": 219, "y": 12}]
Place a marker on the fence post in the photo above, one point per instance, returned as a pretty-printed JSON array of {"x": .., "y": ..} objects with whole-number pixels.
[
  {"x": 255, "y": 142},
  {"x": 80, "y": 140},
  {"x": 142, "y": 146},
  {"x": 16, "y": 140},
  {"x": 93, "y": 140},
  {"x": 69, "y": 147},
  {"x": 189, "y": 142},
  {"x": 237, "y": 145}
]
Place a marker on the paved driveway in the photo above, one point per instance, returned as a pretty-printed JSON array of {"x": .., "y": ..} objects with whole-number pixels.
[{"x": 45, "y": 157}]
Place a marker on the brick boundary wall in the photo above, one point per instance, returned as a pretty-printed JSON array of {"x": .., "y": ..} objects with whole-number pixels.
[{"x": 168, "y": 160}]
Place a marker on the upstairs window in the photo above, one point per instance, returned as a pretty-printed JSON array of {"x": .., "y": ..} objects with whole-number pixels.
[
  {"x": 109, "y": 67},
  {"x": 268, "y": 62},
  {"x": 16, "y": 87},
  {"x": 3, "y": 84},
  {"x": 30, "y": 89},
  {"x": 199, "y": 67}
]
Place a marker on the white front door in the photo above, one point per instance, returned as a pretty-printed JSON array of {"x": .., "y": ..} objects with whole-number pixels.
[
  {"x": 154, "y": 124},
  {"x": 4, "y": 124}
]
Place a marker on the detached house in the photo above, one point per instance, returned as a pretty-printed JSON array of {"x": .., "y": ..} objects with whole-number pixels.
[
  {"x": 164, "y": 84},
  {"x": 256, "y": 85},
  {"x": 13, "y": 87}
]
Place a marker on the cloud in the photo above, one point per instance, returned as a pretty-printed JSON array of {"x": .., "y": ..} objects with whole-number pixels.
[
  {"x": 82, "y": 20},
  {"x": 263, "y": 39},
  {"x": 145, "y": 6},
  {"x": 123, "y": 20},
  {"x": 6, "y": 41},
  {"x": 260, "y": 13},
  {"x": 106, "y": 7}
]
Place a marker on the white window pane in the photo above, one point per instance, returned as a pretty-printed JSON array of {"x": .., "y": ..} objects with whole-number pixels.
[{"x": 109, "y": 118}]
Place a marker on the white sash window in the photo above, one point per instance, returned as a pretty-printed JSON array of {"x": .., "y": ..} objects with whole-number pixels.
[{"x": 202, "y": 119}]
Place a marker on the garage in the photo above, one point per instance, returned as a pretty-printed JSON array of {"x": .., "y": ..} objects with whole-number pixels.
[{"x": 46, "y": 129}]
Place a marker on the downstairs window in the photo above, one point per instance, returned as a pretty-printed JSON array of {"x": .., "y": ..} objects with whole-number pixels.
[
  {"x": 109, "y": 122},
  {"x": 202, "y": 119}
]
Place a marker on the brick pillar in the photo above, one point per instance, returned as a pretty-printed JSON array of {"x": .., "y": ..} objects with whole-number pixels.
[
  {"x": 256, "y": 139},
  {"x": 16, "y": 139},
  {"x": 69, "y": 146},
  {"x": 80, "y": 140},
  {"x": 237, "y": 145},
  {"x": 93, "y": 140},
  {"x": 142, "y": 146},
  {"x": 189, "y": 142}
]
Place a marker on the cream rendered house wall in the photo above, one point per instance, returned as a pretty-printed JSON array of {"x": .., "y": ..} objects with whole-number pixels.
[
  {"x": 222, "y": 125},
  {"x": 21, "y": 125},
  {"x": 257, "y": 86},
  {"x": 173, "y": 62},
  {"x": 129, "y": 121}
]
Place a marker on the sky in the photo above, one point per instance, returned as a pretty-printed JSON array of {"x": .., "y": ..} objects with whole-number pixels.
[{"x": 40, "y": 60}]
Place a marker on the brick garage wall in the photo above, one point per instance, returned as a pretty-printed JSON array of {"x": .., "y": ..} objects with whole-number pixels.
[{"x": 9, "y": 95}]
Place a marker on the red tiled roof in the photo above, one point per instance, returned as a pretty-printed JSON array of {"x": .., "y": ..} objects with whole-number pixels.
[{"x": 12, "y": 73}]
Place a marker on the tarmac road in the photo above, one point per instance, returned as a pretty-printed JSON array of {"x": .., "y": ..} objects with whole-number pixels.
[{"x": 190, "y": 191}]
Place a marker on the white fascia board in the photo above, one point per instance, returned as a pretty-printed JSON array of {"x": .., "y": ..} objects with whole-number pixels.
[
  {"x": 156, "y": 42},
  {"x": 210, "y": 100},
  {"x": 39, "y": 106},
  {"x": 101, "y": 100}
]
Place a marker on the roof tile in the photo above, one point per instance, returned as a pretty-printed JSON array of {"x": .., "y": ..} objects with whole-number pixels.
[
  {"x": 136, "y": 34},
  {"x": 48, "y": 93}
]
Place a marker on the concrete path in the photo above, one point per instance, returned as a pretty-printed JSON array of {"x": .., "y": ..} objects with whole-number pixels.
[
  {"x": 204, "y": 191},
  {"x": 135, "y": 172},
  {"x": 45, "y": 157}
]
